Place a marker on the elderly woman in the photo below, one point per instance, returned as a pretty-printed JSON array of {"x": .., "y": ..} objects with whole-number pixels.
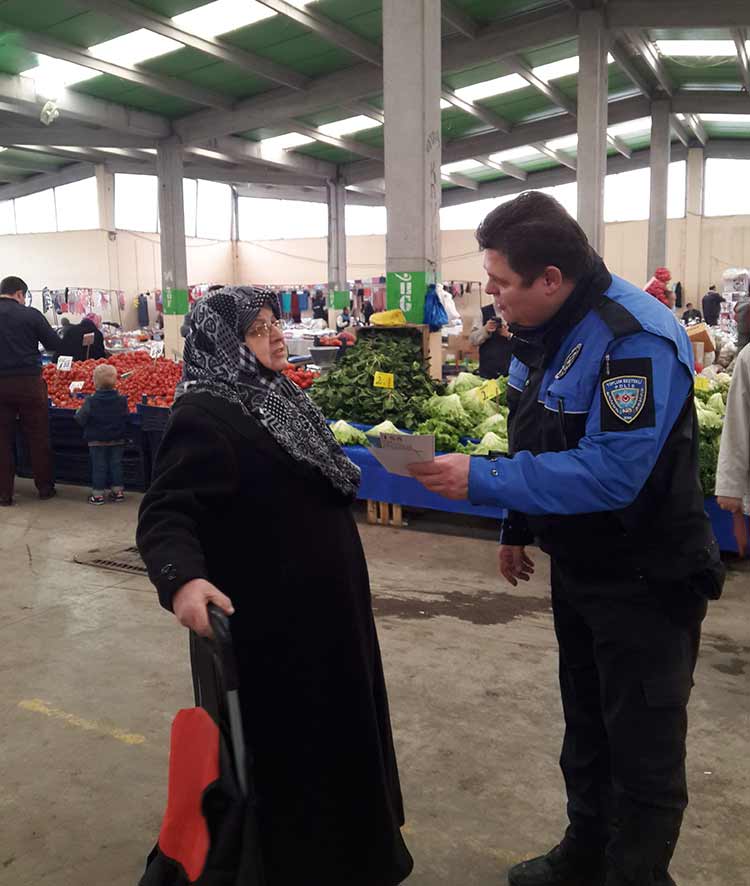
[{"x": 248, "y": 480}]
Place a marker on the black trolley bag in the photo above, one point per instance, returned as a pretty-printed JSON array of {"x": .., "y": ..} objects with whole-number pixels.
[{"x": 209, "y": 834}]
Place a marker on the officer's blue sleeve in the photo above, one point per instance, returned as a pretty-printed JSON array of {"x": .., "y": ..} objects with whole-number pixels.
[{"x": 612, "y": 461}]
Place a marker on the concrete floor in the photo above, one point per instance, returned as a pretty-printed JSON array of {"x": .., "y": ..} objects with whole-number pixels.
[{"x": 92, "y": 672}]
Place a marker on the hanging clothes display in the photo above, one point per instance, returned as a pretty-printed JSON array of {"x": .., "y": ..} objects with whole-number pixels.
[{"x": 141, "y": 305}]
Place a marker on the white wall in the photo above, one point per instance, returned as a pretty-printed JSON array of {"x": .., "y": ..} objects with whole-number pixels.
[{"x": 88, "y": 259}]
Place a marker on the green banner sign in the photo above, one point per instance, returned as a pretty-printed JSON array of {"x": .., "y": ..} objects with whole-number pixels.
[
  {"x": 175, "y": 301},
  {"x": 405, "y": 290},
  {"x": 339, "y": 299}
]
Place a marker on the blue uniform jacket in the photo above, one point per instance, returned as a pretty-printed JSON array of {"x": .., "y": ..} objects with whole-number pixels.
[{"x": 630, "y": 391}]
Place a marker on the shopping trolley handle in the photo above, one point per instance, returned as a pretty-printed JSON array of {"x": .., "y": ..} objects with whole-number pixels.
[{"x": 223, "y": 646}]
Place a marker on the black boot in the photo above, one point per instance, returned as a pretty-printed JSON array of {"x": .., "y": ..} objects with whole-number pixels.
[{"x": 562, "y": 866}]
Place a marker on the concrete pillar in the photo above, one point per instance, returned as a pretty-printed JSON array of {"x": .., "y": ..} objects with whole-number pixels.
[
  {"x": 413, "y": 144},
  {"x": 657, "y": 211},
  {"x": 337, "y": 279},
  {"x": 692, "y": 286},
  {"x": 105, "y": 194},
  {"x": 169, "y": 166},
  {"x": 235, "y": 235},
  {"x": 593, "y": 46}
]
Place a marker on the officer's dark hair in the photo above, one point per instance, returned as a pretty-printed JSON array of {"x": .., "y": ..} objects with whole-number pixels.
[
  {"x": 12, "y": 285},
  {"x": 534, "y": 231}
]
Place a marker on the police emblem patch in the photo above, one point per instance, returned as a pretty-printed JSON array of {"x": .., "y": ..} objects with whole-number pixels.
[
  {"x": 569, "y": 360},
  {"x": 626, "y": 396}
]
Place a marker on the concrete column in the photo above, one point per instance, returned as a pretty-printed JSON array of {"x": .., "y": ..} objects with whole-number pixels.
[
  {"x": 337, "y": 279},
  {"x": 692, "y": 287},
  {"x": 169, "y": 167},
  {"x": 413, "y": 144},
  {"x": 593, "y": 46},
  {"x": 235, "y": 235},
  {"x": 105, "y": 194},
  {"x": 657, "y": 212}
]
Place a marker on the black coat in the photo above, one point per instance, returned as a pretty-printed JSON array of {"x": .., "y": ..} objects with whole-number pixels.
[
  {"x": 229, "y": 505},
  {"x": 72, "y": 342}
]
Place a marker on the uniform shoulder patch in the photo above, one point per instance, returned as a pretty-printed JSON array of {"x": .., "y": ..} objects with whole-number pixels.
[{"x": 627, "y": 397}]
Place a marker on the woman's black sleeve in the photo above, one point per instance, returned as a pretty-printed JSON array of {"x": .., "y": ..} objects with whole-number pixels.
[{"x": 195, "y": 474}]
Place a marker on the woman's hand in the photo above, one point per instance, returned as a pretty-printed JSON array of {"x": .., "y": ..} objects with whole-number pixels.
[
  {"x": 733, "y": 505},
  {"x": 515, "y": 564},
  {"x": 190, "y": 605}
]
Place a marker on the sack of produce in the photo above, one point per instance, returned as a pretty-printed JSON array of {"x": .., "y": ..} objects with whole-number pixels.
[{"x": 388, "y": 318}]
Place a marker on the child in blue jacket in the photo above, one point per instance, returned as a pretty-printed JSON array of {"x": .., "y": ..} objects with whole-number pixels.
[{"x": 103, "y": 417}]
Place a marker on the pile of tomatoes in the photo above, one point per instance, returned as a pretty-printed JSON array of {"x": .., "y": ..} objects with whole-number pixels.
[
  {"x": 138, "y": 376},
  {"x": 303, "y": 378}
]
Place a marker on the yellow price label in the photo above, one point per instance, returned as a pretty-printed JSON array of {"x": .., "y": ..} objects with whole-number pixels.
[
  {"x": 702, "y": 383},
  {"x": 384, "y": 380},
  {"x": 489, "y": 390}
]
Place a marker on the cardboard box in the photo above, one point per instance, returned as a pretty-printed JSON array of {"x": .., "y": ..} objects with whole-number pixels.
[{"x": 700, "y": 333}]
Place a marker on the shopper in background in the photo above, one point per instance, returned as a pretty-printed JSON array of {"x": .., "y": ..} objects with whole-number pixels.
[
  {"x": 63, "y": 327},
  {"x": 73, "y": 341},
  {"x": 733, "y": 472},
  {"x": 104, "y": 417},
  {"x": 320, "y": 309},
  {"x": 245, "y": 459},
  {"x": 711, "y": 305},
  {"x": 23, "y": 392},
  {"x": 368, "y": 311},
  {"x": 603, "y": 471},
  {"x": 344, "y": 320},
  {"x": 491, "y": 335},
  {"x": 690, "y": 313}
]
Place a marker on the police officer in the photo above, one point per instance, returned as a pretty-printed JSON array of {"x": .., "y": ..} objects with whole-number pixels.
[{"x": 603, "y": 471}]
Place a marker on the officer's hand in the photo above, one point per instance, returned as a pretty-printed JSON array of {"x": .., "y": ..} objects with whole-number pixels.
[
  {"x": 733, "y": 505},
  {"x": 515, "y": 564},
  {"x": 490, "y": 327},
  {"x": 447, "y": 475},
  {"x": 190, "y": 605}
]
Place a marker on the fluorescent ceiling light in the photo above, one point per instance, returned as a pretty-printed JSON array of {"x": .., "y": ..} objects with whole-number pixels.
[
  {"x": 51, "y": 75},
  {"x": 348, "y": 125},
  {"x": 286, "y": 142},
  {"x": 697, "y": 48},
  {"x": 461, "y": 166},
  {"x": 632, "y": 127},
  {"x": 499, "y": 85},
  {"x": 221, "y": 17},
  {"x": 725, "y": 118},
  {"x": 526, "y": 152},
  {"x": 563, "y": 143},
  {"x": 135, "y": 47}
]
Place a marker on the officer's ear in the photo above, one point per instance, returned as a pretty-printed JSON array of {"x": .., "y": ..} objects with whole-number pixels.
[{"x": 553, "y": 279}]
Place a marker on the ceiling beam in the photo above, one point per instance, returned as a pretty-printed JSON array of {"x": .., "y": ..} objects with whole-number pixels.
[
  {"x": 650, "y": 55},
  {"x": 710, "y": 102},
  {"x": 679, "y": 130},
  {"x": 459, "y": 20},
  {"x": 627, "y": 65},
  {"x": 87, "y": 154},
  {"x": 59, "y": 49},
  {"x": 329, "y": 30},
  {"x": 462, "y": 181},
  {"x": 728, "y": 149},
  {"x": 287, "y": 161},
  {"x": 21, "y": 95},
  {"x": 697, "y": 128},
  {"x": 71, "y": 136},
  {"x": 550, "y": 178},
  {"x": 475, "y": 110},
  {"x": 677, "y": 14},
  {"x": 204, "y": 169},
  {"x": 35, "y": 183},
  {"x": 139, "y": 17},
  {"x": 365, "y": 109},
  {"x": 28, "y": 163},
  {"x": 620, "y": 146},
  {"x": 740, "y": 37},
  {"x": 11, "y": 177},
  {"x": 509, "y": 169},
  {"x": 558, "y": 156},
  {"x": 361, "y": 81},
  {"x": 309, "y": 195},
  {"x": 517, "y": 65},
  {"x": 342, "y": 143}
]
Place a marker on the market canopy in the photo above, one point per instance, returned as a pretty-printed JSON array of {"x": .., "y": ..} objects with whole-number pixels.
[{"x": 280, "y": 96}]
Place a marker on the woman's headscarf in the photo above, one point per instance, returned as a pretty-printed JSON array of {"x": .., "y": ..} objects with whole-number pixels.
[{"x": 217, "y": 361}]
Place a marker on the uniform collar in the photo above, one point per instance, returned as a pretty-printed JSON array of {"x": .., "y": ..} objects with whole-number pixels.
[{"x": 537, "y": 347}]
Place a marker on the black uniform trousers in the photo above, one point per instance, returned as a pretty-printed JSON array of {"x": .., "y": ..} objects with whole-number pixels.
[{"x": 627, "y": 654}]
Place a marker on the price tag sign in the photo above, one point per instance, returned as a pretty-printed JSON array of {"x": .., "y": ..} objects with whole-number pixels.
[
  {"x": 489, "y": 390},
  {"x": 702, "y": 383},
  {"x": 384, "y": 380},
  {"x": 76, "y": 386},
  {"x": 64, "y": 364},
  {"x": 156, "y": 349}
]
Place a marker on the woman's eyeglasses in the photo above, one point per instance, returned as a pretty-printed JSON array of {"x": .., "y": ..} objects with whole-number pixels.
[{"x": 263, "y": 329}]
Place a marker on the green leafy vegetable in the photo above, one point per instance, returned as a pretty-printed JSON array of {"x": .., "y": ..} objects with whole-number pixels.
[
  {"x": 489, "y": 444},
  {"x": 464, "y": 381},
  {"x": 346, "y": 435},
  {"x": 385, "y": 427},
  {"x": 497, "y": 424},
  {"x": 447, "y": 438}
]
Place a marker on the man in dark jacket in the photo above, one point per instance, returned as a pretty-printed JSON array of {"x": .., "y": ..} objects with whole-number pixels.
[
  {"x": 603, "y": 471},
  {"x": 74, "y": 342},
  {"x": 712, "y": 306},
  {"x": 23, "y": 393}
]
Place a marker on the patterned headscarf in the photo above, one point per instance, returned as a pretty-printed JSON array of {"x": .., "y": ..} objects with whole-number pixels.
[{"x": 217, "y": 361}]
